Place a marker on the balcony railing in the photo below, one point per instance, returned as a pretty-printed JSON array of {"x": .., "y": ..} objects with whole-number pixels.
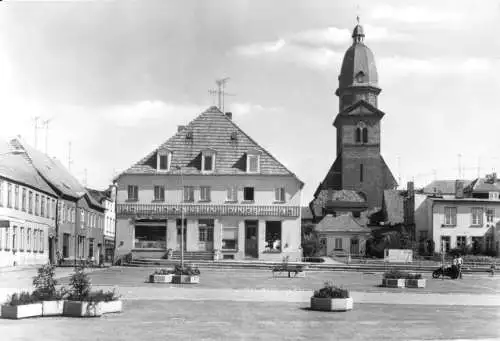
[{"x": 166, "y": 210}]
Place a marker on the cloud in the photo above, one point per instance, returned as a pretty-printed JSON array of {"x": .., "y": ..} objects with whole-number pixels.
[
  {"x": 413, "y": 14},
  {"x": 248, "y": 108},
  {"x": 260, "y": 48}
]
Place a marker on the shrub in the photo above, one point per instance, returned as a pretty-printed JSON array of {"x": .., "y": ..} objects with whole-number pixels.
[
  {"x": 162, "y": 272},
  {"x": 103, "y": 296},
  {"x": 331, "y": 291},
  {"x": 398, "y": 274},
  {"x": 22, "y": 298},
  {"x": 187, "y": 270},
  {"x": 80, "y": 285},
  {"x": 413, "y": 276},
  {"x": 45, "y": 283}
]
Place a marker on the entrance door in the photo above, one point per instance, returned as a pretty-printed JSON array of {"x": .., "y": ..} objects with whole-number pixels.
[
  {"x": 251, "y": 237},
  {"x": 354, "y": 246},
  {"x": 179, "y": 234},
  {"x": 51, "y": 250},
  {"x": 322, "y": 246}
]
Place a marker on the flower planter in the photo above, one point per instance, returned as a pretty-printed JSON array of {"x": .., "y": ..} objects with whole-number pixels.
[
  {"x": 21, "y": 311},
  {"x": 82, "y": 309},
  {"x": 112, "y": 307},
  {"x": 185, "y": 279},
  {"x": 415, "y": 283},
  {"x": 393, "y": 282},
  {"x": 300, "y": 274},
  {"x": 52, "y": 308},
  {"x": 331, "y": 304},
  {"x": 160, "y": 278}
]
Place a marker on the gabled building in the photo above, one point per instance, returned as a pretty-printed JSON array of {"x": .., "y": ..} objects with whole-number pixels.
[
  {"x": 238, "y": 200},
  {"x": 27, "y": 211},
  {"x": 79, "y": 217}
]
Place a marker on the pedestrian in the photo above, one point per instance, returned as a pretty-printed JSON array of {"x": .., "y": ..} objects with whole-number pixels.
[
  {"x": 454, "y": 267},
  {"x": 459, "y": 265},
  {"x": 492, "y": 269}
]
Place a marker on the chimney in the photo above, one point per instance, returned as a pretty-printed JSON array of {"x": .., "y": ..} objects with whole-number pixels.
[
  {"x": 180, "y": 128},
  {"x": 229, "y": 115},
  {"x": 411, "y": 189},
  {"x": 459, "y": 189}
]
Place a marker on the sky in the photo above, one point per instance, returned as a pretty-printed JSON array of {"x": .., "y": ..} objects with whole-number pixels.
[{"x": 115, "y": 79}]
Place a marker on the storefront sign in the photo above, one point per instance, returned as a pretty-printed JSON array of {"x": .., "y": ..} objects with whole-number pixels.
[{"x": 207, "y": 210}]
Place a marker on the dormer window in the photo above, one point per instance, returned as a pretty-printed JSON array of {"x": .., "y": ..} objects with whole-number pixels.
[
  {"x": 494, "y": 195},
  {"x": 208, "y": 160},
  {"x": 163, "y": 160},
  {"x": 253, "y": 161}
]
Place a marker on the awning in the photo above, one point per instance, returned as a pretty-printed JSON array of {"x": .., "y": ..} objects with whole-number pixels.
[{"x": 4, "y": 223}]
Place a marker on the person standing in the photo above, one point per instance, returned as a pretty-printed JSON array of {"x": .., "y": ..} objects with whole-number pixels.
[
  {"x": 454, "y": 266},
  {"x": 459, "y": 265}
]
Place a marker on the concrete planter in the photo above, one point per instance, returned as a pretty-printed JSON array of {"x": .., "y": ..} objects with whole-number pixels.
[
  {"x": 393, "y": 282},
  {"x": 112, "y": 307},
  {"x": 331, "y": 304},
  {"x": 21, "y": 311},
  {"x": 160, "y": 278},
  {"x": 415, "y": 283},
  {"x": 185, "y": 279},
  {"x": 82, "y": 309},
  {"x": 52, "y": 308}
]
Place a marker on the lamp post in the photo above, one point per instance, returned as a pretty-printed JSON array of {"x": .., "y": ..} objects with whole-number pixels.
[{"x": 182, "y": 216}]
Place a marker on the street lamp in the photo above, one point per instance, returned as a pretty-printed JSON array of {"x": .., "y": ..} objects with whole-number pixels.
[{"x": 182, "y": 216}]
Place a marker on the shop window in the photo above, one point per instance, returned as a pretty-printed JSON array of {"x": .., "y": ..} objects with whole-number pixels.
[
  {"x": 206, "y": 230},
  {"x": 248, "y": 194},
  {"x": 461, "y": 242},
  {"x": 205, "y": 193},
  {"x": 230, "y": 238},
  {"x": 273, "y": 236},
  {"x": 159, "y": 193},
  {"x": 445, "y": 244},
  {"x": 150, "y": 236},
  {"x": 188, "y": 193}
]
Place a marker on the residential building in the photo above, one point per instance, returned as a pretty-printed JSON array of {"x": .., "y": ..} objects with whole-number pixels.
[
  {"x": 107, "y": 200},
  {"x": 27, "y": 211},
  {"x": 80, "y": 218},
  {"x": 238, "y": 201},
  {"x": 468, "y": 219}
]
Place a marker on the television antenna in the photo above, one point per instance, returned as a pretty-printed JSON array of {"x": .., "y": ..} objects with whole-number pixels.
[{"x": 219, "y": 92}]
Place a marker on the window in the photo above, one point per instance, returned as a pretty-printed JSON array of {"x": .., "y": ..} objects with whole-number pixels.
[
  {"x": 14, "y": 238},
  {"x": 204, "y": 193},
  {"x": 30, "y": 202},
  {"x": 461, "y": 242},
  {"x": 42, "y": 208},
  {"x": 450, "y": 216},
  {"x": 7, "y": 239},
  {"x": 37, "y": 206},
  {"x": 21, "y": 238},
  {"x": 490, "y": 215},
  {"x": 248, "y": 194},
  {"x": 477, "y": 216},
  {"x": 23, "y": 200},
  {"x": 65, "y": 249},
  {"x": 279, "y": 194},
  {"x": 16, "y": 197},
  {"x": 445, "y": 243},
  {"x": 338, "y": 243},
  {"x": 206, "y": 230},
  {"x": 365, "y": 135},
  {"x": 54, "y": 209},
  {"x": 159, "y": 193},
  {"x": 494, "y": 195},
  {"x": 188, "y": 193},
  {"x": 361, "y": 170},
  {"x": 423, "y": 235},
  {"x": 91, "y": 247},
  {"x": 1, "y": 238},
  {"x": 273, "y": 236},
  {"x": 208, "y": 163},
  {"x": 9, "y": 195},
  {"x": 253, "y": 163},
  {"x": 28, "y": 240},
  {"x": 323, "y": 241},
  {"x": 232, "y": 194},
  {"x": 230, "y": 238},
  {"x": 1, "y": 193},
  {"x": 42, "y": 244},
  {"x": 164, "y": 159},
  {"x": 358, "y": 135},
  {"x": 132, "y": 193}
]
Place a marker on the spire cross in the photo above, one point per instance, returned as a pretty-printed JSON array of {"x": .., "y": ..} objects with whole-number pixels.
[{"x": 357, "y": 19}]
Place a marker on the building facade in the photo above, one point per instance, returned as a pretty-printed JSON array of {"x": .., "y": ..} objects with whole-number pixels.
[
  {"x": 107, "y": 199},
  {"x": 460, "y": 221},
  {"x": 27, "y": 212},
  {"x": 237, "y": 200}
]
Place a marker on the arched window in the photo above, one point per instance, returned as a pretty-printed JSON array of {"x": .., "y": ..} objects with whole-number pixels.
[
  {"x": 358, "y": 134},
  {"x": 365, "y": 135}
]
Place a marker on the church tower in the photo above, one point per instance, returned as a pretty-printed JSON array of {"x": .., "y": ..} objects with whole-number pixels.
[{"x": 359, "y": 165}]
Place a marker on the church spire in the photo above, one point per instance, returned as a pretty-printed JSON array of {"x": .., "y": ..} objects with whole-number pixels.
[{"x": 358, "y": 34}]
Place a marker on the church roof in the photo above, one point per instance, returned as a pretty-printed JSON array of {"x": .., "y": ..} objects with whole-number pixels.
[
  {"x": 212, "y": 129},
  {"x": 342, "y": 223},
  {"x": 358, "y": 66}
]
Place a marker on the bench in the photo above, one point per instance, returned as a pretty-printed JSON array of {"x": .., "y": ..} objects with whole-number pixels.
[{"x": 297, "y": 270}]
